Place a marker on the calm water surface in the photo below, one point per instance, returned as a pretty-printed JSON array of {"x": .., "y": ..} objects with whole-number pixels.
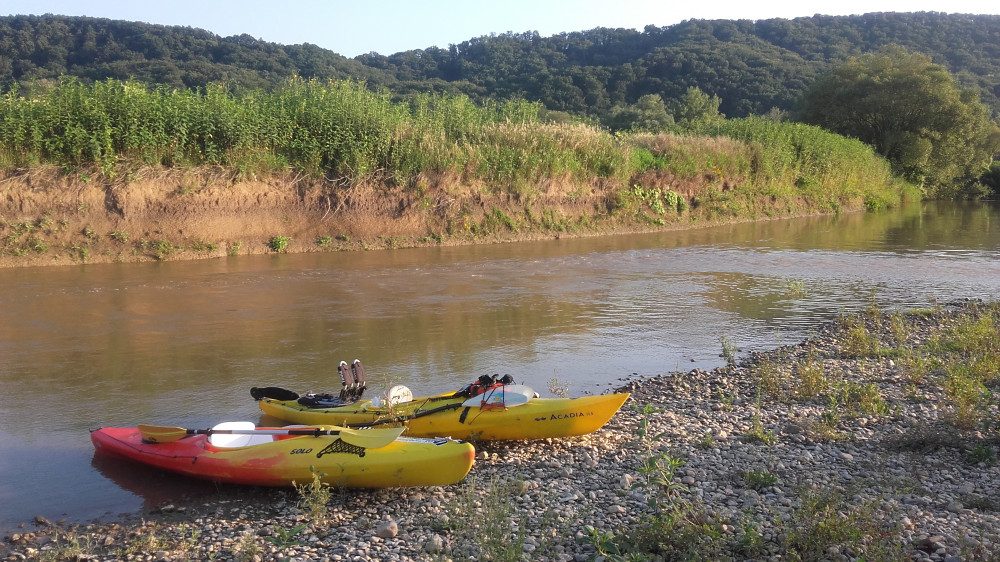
[{"x": 181, "y": 343}]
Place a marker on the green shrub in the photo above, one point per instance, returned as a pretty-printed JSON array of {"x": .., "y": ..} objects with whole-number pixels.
[{"x": 278, "y": 243}]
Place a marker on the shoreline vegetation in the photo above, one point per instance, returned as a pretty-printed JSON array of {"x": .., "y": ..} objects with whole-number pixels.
[
  {"x": 874, "y": 439},
  {"x": 118, "y": 171}
]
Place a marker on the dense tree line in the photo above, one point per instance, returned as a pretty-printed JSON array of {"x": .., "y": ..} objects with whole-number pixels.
[
  {"x": 34, "y": 48},
  {"x": 753, "y": 67}
]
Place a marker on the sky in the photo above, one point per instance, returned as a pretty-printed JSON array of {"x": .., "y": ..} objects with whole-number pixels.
[{"x": 354, "y": 27}]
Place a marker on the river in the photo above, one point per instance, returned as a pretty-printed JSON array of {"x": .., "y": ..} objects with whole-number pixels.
[{"x": 181, "y": 343}]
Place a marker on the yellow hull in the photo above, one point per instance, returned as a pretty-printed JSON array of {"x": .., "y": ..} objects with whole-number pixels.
[{"x": 443, "y": 416}]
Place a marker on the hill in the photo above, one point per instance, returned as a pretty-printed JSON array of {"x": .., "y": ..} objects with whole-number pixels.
[
  {"x": 753, "y": 66},
  {"x": 49, "y": 46}
]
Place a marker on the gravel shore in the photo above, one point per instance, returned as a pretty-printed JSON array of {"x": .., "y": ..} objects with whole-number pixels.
[{"x": 809, "y": 451}]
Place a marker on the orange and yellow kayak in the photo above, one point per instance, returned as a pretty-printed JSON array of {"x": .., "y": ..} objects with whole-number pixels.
[
  {"x": 264, "y": 459},
  {"x": 459, "y": 417}
]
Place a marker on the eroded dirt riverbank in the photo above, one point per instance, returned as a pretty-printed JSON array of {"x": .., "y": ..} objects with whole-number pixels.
[{"x": 49, "y": 217}]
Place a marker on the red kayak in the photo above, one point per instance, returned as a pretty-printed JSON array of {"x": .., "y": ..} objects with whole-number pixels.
[{"x": 283, "y": 456}]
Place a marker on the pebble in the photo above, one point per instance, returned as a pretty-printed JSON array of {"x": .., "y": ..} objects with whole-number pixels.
[{"x": 387, "y": 529}]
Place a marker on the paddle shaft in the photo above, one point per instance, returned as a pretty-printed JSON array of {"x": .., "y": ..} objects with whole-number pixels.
[
  {"x": 400, "y": 419},
  {"x": 369, "y": 439},
  {"x": 315, "y": 432}
]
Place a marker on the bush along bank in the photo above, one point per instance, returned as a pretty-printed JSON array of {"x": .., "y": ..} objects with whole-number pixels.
[
  {"x": 121, "y": 171},
  {"x": 875, "y": 439}
]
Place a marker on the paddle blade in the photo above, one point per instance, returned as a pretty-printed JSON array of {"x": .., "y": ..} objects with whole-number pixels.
[
  {"x": 160, "y": 434},
  {"x": 527, "y": 391},
  {"x": 372, "y": 438},
  {"x": 497, "y": 399}
]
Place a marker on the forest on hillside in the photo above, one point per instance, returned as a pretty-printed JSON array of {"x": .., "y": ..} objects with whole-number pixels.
[{"x": 754, "y": 67}]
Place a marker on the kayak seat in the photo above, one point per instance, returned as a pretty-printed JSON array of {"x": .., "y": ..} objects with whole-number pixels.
[
  {"x": 347, "y": 380},
  {"x": 359, "y": 379},
  {"x": 352, "y": 378},
  {"x": 313, "y": 400}
]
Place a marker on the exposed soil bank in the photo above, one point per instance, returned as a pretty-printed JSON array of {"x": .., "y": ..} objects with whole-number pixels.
[{"x": 52, "y": 218}]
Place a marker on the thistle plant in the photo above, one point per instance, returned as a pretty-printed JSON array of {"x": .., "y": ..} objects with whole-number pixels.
[
  {"x": 314, "y": 497},
  {"x": 729, "y": 350}
]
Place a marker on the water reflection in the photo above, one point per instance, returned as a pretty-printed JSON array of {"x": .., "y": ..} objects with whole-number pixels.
[{"x": 171, "y": 488}]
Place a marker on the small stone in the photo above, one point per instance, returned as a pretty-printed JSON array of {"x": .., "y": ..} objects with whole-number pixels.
[
  {"x": 434, "y": 544},
  {"x": 929, "y": 544},
  {"x": 387, "y": 529},
  {"x": 792, "y": 429},
  {"x": 970, "y": 542}
]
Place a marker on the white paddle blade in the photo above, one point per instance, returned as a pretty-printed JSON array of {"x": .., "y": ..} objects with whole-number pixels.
[
  {"x": 231, "y": 425},
  {"x": 497, "y": 398},
  {"x": 524, "y": 389},
  {"x": 242, "y": 439}
]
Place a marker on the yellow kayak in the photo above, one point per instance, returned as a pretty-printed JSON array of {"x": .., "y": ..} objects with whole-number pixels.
[
  {"x": 283, "y": 456},
  {"x": 502, "y": 413}
]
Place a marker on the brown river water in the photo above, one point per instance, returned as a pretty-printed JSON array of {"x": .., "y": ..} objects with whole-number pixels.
[{"x": 181, "y": 343}]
